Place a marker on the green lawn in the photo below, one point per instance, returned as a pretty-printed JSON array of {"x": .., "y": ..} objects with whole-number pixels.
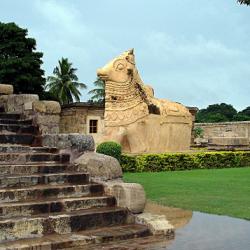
[{"x": 220, "y": 191}]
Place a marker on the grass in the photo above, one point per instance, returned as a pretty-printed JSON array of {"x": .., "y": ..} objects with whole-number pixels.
[{"x": 220, "y": 191}]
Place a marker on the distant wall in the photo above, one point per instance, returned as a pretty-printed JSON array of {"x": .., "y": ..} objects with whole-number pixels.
[
  {"x": 75, "y": 118},
  {"x": 226, "y": 133}
]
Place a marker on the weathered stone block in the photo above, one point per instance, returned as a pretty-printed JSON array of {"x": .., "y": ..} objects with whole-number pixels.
[
  {"x": 6, "y": 89},
  {"x": 79, "y": 142},
  {"x": 42, "y": 118},
  {"x": 49, "y": 107},
  {"x": 129, "y": 195},
  {"x": 158, "y": 224},
  {"x": 16, "y": 103},
  {"x": 100, "y": 167}
]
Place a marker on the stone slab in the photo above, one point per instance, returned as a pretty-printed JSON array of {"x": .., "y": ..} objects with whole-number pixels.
[
  {"x": 158, "y": 224},
  {"x": 99, "y": 166},
  {"x": 6, "y": 89},
  {"x": 129, "y": 195}
]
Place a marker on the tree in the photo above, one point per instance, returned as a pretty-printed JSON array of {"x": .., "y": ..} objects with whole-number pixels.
[
  {"x": 20, "y": 65},
  {"x": 98, "y": 94},
  {"x": 247, "y": 2},
  {"x": 245, "y": 111},
  {"x": 243, "y": 115},
  {"x": 64, "y": 85},
  {"x": 217, "y": 113}
]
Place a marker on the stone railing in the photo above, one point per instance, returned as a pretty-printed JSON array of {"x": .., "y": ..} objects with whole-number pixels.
[
  {"x": 6, "y": 89},
  {"x": 46, "y": 115}
]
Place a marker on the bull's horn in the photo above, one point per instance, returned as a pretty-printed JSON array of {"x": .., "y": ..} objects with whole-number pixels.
[{"x": 131, "y": 52}]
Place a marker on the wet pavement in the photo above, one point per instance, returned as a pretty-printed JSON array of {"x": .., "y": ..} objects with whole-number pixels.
[
  {"x": 212, "y": 232},
  {"x": 201, "y": 231},
  {"x": 194, "y": 231}
]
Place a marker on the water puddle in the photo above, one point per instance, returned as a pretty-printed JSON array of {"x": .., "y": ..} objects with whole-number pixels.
[{"x": 200, "y": 231}]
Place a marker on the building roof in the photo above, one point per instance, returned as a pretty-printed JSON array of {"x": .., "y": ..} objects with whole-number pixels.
[{"x": 84, "y": 104}]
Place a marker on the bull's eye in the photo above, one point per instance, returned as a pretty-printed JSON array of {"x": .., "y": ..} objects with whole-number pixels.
[{"x": 120, "y": 66}]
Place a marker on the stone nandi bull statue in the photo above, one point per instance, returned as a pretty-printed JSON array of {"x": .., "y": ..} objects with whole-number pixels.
[{"x": 135, "y": 118}]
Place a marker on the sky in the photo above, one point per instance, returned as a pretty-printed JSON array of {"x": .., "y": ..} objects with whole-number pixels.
[{"x": 195, "y": 52}]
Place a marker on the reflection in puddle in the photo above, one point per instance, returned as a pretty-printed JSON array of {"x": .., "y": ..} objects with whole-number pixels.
[
  {"x": 200, "y": 231},
  {"x": 212, "y": 232},
  {"x": 176, "y": 216}
]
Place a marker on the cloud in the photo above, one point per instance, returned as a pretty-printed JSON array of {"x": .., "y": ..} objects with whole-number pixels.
[
  {"x": 181, "y": 48},
  {"x": 61, "y": 17},
  {"x": 196, "y": 72},
  {"x": 191, "y": 52}
]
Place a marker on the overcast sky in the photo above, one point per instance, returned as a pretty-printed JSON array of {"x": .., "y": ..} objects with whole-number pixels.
[{"x": 196, "y": 52}]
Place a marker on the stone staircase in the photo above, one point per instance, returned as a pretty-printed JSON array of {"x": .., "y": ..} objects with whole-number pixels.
[{"x": 47, "y": 203}]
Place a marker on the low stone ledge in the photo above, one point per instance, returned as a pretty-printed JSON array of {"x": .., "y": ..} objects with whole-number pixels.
[
  {"x": 18, "y": 103},
  {"x": 6, "y": 89},
  {"x": 99, "y": 166},
  {"x": 48, "y": 107},
  {"x": 73, "y": 144},
  {"x": 129, "y": 195},
  {"x": 158, "y": 224}
]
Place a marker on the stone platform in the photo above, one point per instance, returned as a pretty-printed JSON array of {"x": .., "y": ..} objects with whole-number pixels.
[{"x": 48, "y": 203}]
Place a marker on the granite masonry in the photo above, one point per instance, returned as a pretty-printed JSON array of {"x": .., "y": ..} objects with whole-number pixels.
[{"x": 48, "y": 200}]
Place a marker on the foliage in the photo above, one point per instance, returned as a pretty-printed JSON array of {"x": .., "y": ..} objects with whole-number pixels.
[
  {"x": 110, "y": 148},
  {"x": 198, "y": 132},
  {"x": 64, "y": 85},
  {"x": 222, "y": 113},
  {"x": 184, "y": 161},
  {"x": 216, "y": 113},
  {"x": 20, "y": 65},
  {"x": 98, "y": 93},
  {"x": 243, "y": 115},
  {"x": 217, "y": 191},
  {"x": 247, "y": 2}
]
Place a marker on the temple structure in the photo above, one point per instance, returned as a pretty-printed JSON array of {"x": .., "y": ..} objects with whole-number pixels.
[
  {"x": 132, "y": 115},
  {"x": 135, "y": 118}
]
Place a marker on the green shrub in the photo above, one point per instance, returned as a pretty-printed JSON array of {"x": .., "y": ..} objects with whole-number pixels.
[
  {"x": 128, "y": 163},
  {"x": 110, "y": 148},
  {"x": 198, "y": 132},
  {"x": 184, "y": 161}
]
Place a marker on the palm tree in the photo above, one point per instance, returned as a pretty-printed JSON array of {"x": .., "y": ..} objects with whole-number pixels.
[
  {"x": 98, "y": 94},
  {"x": 64, "y": 85},
  {"x": 247, "y": 2}
]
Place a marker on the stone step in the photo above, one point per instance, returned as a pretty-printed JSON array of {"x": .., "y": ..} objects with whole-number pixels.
[
  {"x": 23, "y": 139},
  {"x": 80, "y": 240},
  {"x": 61, "y": 223},
  {"x": 22, "y": 158},
  {"x": 19, "y": 181},
  {"x": 34, "y": 168},
  {"x": 10, "y": 148},
  {"x": 19, "y": 129},
  {"x": 17, "y": 122},
  {"x": 49, "y": 191},
  {"x": 9, "y": 116},
  {"x": 152, "y": 242},
  {"x": 12, "y": 209}
]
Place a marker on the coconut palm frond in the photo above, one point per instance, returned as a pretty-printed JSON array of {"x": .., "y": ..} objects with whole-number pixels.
[{"x": 64, "y": 85}]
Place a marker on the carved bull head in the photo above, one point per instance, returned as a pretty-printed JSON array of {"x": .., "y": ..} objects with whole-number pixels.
[{"x": 120, "y": 69}]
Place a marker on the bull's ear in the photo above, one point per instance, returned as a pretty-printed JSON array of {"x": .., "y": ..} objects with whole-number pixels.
[{"x": 131, "y": 52}]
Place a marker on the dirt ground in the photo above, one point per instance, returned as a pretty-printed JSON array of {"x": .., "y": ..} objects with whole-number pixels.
[{"x": 176, "y": 216}]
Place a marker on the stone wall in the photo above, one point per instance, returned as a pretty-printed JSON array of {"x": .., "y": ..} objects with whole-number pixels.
[
  {"x": 46, "y": 115},
  {"x": 226, "y": 133},
  {"x": 75, "y": 118}
]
